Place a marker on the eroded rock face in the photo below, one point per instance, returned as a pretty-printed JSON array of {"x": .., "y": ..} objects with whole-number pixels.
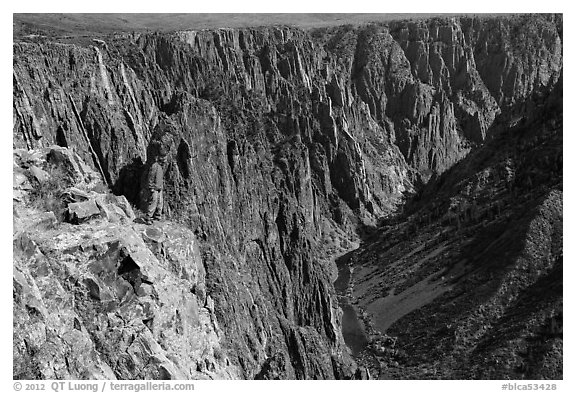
[
  {"x": 78, "y": 314},
  {"x": 269, "y": 133}
]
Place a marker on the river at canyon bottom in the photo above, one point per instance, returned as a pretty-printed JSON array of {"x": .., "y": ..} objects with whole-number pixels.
[{"x": 352, "y": 327}]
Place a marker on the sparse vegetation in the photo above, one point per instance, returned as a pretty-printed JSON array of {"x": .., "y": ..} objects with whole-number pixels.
[{"x": 47, "y": 194}]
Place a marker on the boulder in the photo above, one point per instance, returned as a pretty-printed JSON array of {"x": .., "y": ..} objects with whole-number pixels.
[
  {"x": 73, "y": 194},
  {"x": 121, "y": 202},
  {"x": 39, "y": 174},
  {"x": 110, "y": 211},
  {"x": 80, "y": 212}
]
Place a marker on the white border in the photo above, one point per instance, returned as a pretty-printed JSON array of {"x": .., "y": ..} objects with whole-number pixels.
[{"x": 419, "y": 6}]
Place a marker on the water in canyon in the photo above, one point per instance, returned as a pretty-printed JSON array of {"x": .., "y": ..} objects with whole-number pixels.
[{"x": 352, "y": 327}]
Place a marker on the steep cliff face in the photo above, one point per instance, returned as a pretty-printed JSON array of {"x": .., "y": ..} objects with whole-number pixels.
[
  {"x": 271, "y": 133},
  {"x": 470, "y": 279},
  {"x": 247, "y": 190},
  {"x": 353, "y": 95}
]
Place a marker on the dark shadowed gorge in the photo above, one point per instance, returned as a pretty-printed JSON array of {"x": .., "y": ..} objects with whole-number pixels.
[{"x": 425, "y": 154}]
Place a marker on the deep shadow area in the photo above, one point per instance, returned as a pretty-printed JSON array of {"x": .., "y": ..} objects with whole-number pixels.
[{"x": 128, "y": 181}]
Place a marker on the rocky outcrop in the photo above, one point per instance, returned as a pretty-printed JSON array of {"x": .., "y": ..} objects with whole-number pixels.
[
  {"x": 102, "y": 297},
  {"x": 271, "y": 133}
]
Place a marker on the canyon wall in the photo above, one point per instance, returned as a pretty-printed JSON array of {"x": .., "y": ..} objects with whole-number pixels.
[
  {"x": 468, "y": 280},
  {"x": 276, "y": 135}
]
